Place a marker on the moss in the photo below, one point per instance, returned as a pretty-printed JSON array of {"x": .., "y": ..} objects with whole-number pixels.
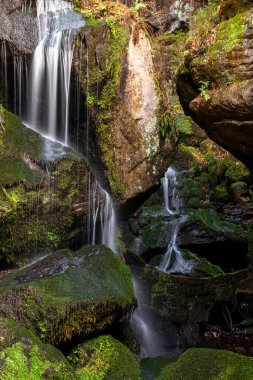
[
  {"x": 220, "y": 194},
  {"x": 24, "y": 356},
  {"x": 229, "y": 8},
  {"x": 119, "y": 36},
  {"x": 67, "y": 295},
  {"x": 199, "y": 364},
  {"x": 202, "y": 266},
  {"x": 211, "y": 220},
  {"x": 229, "y": 35},
  {"x": 104, "y": 358},
  {"x": 236, "y": 171}
]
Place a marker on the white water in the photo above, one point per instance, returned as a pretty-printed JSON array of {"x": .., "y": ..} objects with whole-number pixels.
[
  {"x": 4, "y": 72},
  {"x": 154, "y": 337},
  {"x": 173, "y": 260},
  {"x": 51, "y": 69},
  {"x": 171, "y": 197},
  {"x": 103, "y": 217}
]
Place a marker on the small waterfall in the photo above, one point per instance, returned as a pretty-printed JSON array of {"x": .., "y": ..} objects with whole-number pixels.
[
  {"x": 51, "y": 69},
  {"x": 20, "y": 84},
  {"x": 27, "y": 6},
  {"x": 4, "y": 71},
  {"x": 171, "y": 197},
  {"x": 103, "y": 217},
  {"x": 173, "y": 260}
]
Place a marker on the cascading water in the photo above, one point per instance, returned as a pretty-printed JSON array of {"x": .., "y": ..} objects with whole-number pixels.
[
  {"x": 103, "y": 217},
  {"x": 171, "y": 197},
  {"x": 173, "y": 260},
  {"x": 4, "y": 72},
  {"x": 51, "y": 69}
]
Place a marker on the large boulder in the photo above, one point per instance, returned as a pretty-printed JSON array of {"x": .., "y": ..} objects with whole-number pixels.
[
  {"x": 105, "y": 358},
  {"x": 24, "y": 356},
  {"x": 68, "y": 295},
  {"x": 215, "y": 81},
  {"x": 199, "y": 364}
]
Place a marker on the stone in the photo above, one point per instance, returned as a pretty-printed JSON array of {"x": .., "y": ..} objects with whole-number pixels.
[
  {"x": 68, "y": 295},
  {"x": 199, "y": 364}
]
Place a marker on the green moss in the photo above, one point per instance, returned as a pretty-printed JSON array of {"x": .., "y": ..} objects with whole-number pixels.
[
  {"x": 211, "y": 220},
  {"x": 119, "y": 36},
  {"x": 199, "y": 364},
  {"x": 229, "y": 35},
  {"x": 202, "y": 266},
  {"x": 23, "y": 356},
  {"x": 104, "y": 358},
  {"x": 220, "y": 194}
]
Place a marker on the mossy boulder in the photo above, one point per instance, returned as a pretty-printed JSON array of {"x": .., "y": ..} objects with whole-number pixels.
[
  {"x": 43, "y": 193},
  {"x": 206, "y": 225},
  {"x": 199, "y": 364},
  {"x": 67, "y": 294},
  {"x": 23, "y": 356},
  {"x": 188, "y": 300},
  {"x": 217, "y": 73},
  {"x": 104, "y": 358}
]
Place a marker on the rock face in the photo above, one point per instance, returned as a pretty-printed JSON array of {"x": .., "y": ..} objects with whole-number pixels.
[
  {"x": 18, "y": 25},
  {"x": 125, "y": 104},
  {"x": 68, "y": 295},
  {"x": 215, "y": 84}
]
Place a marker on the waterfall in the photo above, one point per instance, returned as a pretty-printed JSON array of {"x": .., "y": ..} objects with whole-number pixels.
[
  {"x": 171, "y": 197},
  {"x": 4, "y": 72},
  {"x": 103, "y": 217},
  {"x": 51, "y": 69},
  {"x": 20, "y": 84},
  {"x": 173, "y": 259}
]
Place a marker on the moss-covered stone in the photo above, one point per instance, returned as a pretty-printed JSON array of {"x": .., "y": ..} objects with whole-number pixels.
[
  {"x": 40, "y": 183},
  {"x": 104, "y": 358},
  {"x": 199, "y": 364},
  {"x": 202, "y": 266},
  {"x": 23, "y": 356},
  {"x": 67, "y": 295},
  {"x": 182, "y": 299}
]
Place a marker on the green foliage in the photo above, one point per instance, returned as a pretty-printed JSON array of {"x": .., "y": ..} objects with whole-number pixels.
[
  {"x": 203, "y": 90},
  {"x": 164, "y": 125}
]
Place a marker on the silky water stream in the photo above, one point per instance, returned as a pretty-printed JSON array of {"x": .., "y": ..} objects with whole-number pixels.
[{"x": 156, "y": 336}]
